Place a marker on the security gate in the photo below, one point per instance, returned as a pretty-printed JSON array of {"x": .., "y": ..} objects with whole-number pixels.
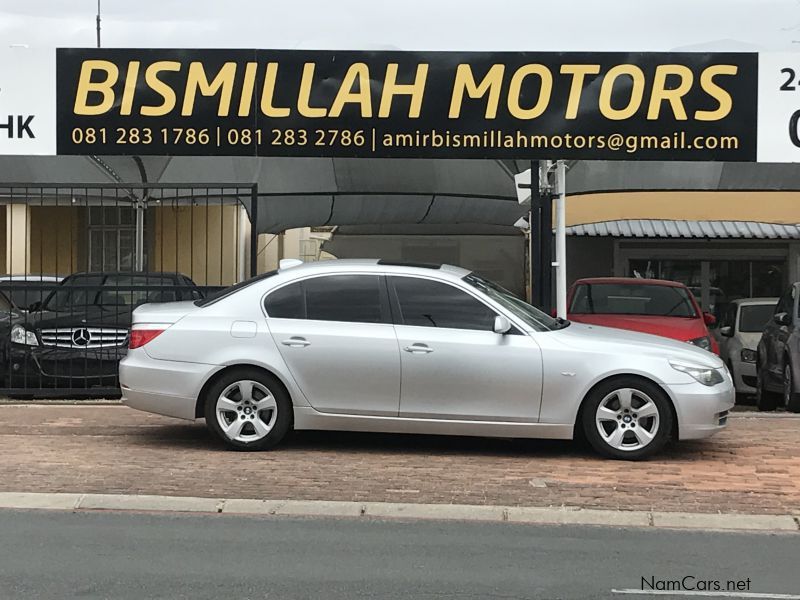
[{"x": 78, "y": 259}]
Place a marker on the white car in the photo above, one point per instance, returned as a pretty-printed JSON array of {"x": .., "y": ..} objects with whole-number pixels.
[
  {"x": 739, "y": 331},
  {"x": 369, "y": 345}
]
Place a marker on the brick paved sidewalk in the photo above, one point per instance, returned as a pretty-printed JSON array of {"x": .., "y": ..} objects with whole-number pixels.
[{"x": 753, "y": 467}]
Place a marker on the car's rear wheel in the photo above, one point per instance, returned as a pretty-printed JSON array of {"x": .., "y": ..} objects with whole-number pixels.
[
  {"x": 627, "y": 418},
  {"x": 791, "y": 399},
  {"x": 248, "y": 409},
  {"x": 765, "y": 399}
]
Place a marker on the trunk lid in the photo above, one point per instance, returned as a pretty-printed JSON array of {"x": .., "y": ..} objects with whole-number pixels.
[{"x": 162, "y": 312}]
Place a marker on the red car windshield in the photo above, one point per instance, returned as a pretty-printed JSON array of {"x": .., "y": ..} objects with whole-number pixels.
[{"x": 632, "y": 299}]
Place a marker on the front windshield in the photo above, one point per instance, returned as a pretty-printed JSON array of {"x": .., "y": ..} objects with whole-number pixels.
[
  {"x": 114, "y": 293},
  {"x": 754, "y": 317},
  {"x": 530, "y": 314},
  {"x": 632, "y": 299}
]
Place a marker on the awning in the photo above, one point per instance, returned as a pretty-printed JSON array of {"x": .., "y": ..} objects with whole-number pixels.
[{"x": 649, "y": 228}]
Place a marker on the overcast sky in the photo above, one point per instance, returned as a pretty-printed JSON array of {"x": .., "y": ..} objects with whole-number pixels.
[{"x": 409, "y": 24}]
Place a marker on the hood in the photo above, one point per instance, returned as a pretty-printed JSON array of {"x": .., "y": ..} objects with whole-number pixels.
[
  {"x": 88, "y": 316},
  {"x": 677, "y": 328},
  {"x": 622, "y": 341},
  {"x": 749, "y": 339}
]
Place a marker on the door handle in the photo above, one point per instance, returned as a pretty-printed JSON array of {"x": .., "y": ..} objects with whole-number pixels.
[
  {"x": 296, "y": 342},
  {"x": 418, "y": 349}
]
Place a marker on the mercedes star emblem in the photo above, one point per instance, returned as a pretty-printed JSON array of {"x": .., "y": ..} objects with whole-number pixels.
[{"x": 81, "y": 337}]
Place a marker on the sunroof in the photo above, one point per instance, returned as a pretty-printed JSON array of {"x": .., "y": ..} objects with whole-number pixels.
[{"x": 400, "y": 263}]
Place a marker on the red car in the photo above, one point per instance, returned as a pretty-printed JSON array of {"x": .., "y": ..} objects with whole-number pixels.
[{"x": 655, "y": 306}]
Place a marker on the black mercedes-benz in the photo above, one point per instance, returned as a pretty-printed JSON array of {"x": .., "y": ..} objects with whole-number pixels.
[{"x": 73, "y": 341}]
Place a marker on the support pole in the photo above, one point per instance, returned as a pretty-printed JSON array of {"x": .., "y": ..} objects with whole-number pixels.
[
  {"x": 139, "y": 253},
  {"x": 535, "y": 254},
  {"x": 254, "y": 231},
  {"x": 561, "y": 240},
  {"x": 545, "y": 235}
]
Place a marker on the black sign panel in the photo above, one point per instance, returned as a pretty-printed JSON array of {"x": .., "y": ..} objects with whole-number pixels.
[{"x": 578, "y": 105}]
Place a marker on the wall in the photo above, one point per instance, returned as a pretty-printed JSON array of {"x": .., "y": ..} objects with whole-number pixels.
[
  {"x": 589, "y": 257},
  {"x": 766, "y": 207},
  {"x": 58, "y": 240},
  {"x": 199, "y": 241}
]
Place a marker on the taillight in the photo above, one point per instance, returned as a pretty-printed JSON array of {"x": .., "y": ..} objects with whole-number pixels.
[{"x": 140, "y": 337}]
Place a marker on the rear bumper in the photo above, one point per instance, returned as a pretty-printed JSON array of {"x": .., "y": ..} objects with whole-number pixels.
[
  {"x": 702, "y": 410},
  {"x": 160, "y": 386}
]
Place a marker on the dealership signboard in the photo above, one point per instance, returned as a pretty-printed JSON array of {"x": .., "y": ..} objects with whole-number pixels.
[{"x": 575, "y": 105}]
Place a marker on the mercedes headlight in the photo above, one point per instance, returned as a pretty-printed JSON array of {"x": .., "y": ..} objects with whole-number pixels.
[
  {"x": 748, "y": 356},
  {"x": 705, "y": 375},
  {"x": 702, "y": 342},
  {"x": 20, "y": 335}
]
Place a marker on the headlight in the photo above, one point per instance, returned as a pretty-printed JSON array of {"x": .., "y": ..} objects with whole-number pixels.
[
  {"x": 748, "y": 355},
  {"x": 705, "y": 375},
  {"x": 702, "y": 342},
  {"x": 20, "y": 335}
]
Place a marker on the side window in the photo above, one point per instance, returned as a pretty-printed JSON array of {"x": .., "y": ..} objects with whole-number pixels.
[
  {"x": 349, "y": 298},
  {"x": 427, "y": 303},
  {"x": 286, "y": 302},
  {"x": 345, "y": 298}
]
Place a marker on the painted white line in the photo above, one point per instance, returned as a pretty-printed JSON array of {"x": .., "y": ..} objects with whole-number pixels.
[{"x": 706, "y": 594}]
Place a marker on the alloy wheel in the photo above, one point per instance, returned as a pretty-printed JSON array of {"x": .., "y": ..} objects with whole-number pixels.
[
  {"x": 246, "y": 411},
  {"x": 627, "y": 419}
]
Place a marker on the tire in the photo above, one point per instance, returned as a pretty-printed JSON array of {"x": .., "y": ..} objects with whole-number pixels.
[
  {"x": 258, "y": 419},
  {"x": 627, "y": 435},
  {"x": 765, "y": 400},
  {"x": 791, "y": 399}
]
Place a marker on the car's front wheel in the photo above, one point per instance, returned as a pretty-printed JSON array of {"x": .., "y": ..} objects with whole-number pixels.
[
  {"x": 627, "y": 418},
  {"x": 791, "y": 399},
  {"x": 248, "y": 409},
  {"x": 765, "y": 399}
]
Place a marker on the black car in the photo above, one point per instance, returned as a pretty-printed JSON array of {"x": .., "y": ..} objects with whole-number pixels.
[
  {"x": 28, "y": 290},
  {"x": 73, "y": 341},
  {"x": 778, "y": 356}
]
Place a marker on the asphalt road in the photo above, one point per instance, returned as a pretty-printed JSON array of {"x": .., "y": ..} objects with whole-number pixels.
[{"x": 122, "y": 556}]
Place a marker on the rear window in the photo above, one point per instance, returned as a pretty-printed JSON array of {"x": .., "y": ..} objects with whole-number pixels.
[
  {"x": 219, "y": 295},
  {"x": 632, "y": 299},
  {"x": 754, "y": 318}
]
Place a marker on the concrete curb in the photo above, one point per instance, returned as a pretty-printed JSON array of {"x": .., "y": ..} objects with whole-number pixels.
[{"x": 390, "y": 510}]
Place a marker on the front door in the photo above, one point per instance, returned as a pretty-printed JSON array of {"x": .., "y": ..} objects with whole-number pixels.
[
  {"x": 335, "y": 334},
  {"x": 454, "y": 366}
]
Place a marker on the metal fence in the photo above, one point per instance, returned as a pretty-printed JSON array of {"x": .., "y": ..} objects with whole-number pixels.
[{"x": 78, "y": 259}]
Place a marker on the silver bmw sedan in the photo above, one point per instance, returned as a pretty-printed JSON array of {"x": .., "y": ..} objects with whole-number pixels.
[{"x": 372, "y": 345}]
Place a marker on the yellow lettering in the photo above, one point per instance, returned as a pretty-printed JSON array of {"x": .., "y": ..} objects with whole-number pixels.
[
  {"x": 161, "y": 88},
  {"x": 673, "y": 96},
  {"x": 248, "y": 85},
  {"x": 515, "y": 91},
  {"x": 269, "y": 91},
  {"x": 304, "y": 96},
  {"x": 391, "y": 88},
  {"x": 196, "y": 80},
  {"x": 579, "y": 73},
  {"x": 130, "y": 87},
  {"x": 607, "y": 87},
  {"x": 346, "y": 95},
  {"x": 465, "y": 82},
  {"x": 86, "y": 86},
  {"x": 720, "y": 95}
]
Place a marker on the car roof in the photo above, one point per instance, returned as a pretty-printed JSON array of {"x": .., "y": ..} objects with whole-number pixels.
[
  {"x": 629, "y": 281},
  {"x": 761, "y": 300},
  {"x": 374, "y": 264}
]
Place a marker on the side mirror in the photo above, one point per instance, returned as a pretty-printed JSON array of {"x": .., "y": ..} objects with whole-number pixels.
[
  {"x": 35, "y": 307},
  {"x": 501, "y": 325},
  {"x": 726, "y": 331},
  {"x": 782, "y": 318},
  {"x": 709, "y": 319}
]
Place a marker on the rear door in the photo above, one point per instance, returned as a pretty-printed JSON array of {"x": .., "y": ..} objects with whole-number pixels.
[
  {"x": 335, "y": 334},
  {"x": 454, "y": 366}
]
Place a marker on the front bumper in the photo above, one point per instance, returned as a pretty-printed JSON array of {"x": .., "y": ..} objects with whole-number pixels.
[
  {"x": 744, "y": 374},
  {"x": 162, "y": 387},
  {"x": 702, "y": 410},
  {"x": 32, "y": 367}
]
